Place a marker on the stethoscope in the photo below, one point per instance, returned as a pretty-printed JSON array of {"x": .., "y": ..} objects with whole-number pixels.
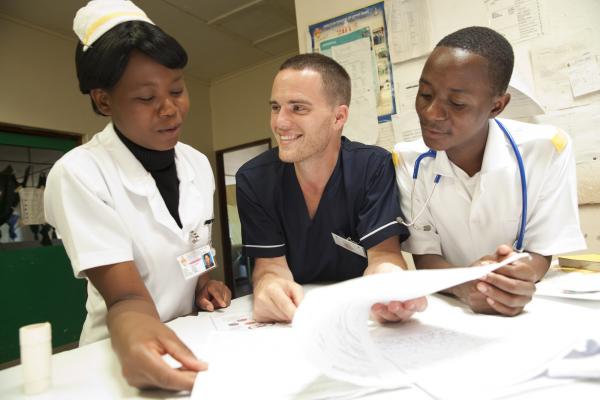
[{"x": 518, "y": 245}]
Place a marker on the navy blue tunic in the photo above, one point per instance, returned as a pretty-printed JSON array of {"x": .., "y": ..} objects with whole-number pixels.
[{"x": 360, "y": 202}]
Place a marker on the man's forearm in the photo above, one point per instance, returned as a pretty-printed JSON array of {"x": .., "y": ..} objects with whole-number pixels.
[
  {"x": 434, "y": 261},
  {"x": 384, "y": 256},
  {"x": 431, "y": 261},
  {"x": 271, "y": 266},
  {"x": 540, "y": 265}
]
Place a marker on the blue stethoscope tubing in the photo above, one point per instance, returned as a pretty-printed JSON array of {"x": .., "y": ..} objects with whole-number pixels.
[{"x": 518, "y": 245}]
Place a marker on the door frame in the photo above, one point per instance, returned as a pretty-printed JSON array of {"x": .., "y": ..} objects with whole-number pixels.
[{"x": 223, "y": 217}]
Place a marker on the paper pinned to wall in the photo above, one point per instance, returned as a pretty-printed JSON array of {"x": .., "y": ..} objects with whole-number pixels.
[
  {"x": 584, "y": 75},
  {"x": 356, "y": 58},
  {"x": 406, "y": 122},
  {"x": 386, "y": 137},
  {"x": 367, "y": 22},
  {"x": 406, "y": 126},
  {"x": 406, "y": 93},
  {"x": 550, "y": 59},
  {"x": 583, "y": 125},
  {"x": 410, "y": 29},
  {"x": 517, "y": 20}
]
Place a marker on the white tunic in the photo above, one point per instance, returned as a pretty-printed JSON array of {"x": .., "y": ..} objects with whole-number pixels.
[
  {"x": 468, "y": 218},
  {"x": 107, "y": 209}
]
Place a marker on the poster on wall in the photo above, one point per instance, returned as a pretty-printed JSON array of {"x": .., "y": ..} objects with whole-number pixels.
[{"x": 358, "y": 40}]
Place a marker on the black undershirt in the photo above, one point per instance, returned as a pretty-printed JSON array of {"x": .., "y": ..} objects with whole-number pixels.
[{"x": 161, "y": 165}]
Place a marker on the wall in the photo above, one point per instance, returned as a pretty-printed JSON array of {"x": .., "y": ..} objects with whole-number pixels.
[
  {"x": 39, "y": 87},
  {"x": 240, "y": 105},
  {"x": 558, "y": 17}
]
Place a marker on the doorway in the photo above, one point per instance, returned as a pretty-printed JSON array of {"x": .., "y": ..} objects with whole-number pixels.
[{"x": 238, "y": 269}]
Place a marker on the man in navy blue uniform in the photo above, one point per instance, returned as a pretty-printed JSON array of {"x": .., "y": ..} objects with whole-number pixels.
[{"x": 319, "y": 207}]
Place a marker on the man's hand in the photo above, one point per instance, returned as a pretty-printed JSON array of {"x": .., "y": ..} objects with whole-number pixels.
[
  {"x": 212, "y": 295},
  {"x": 276, "y": 298},
  {"x": 397, "y": 311},
  {"x": 394, "y": 311},
  {"x": 140, "y": 341},
  {"x": 508, "y": 289}
]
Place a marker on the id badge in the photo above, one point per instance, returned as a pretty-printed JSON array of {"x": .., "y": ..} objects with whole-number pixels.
[
  {"x": 349, "y": 245},
  {"x": 197, "y": 262}
]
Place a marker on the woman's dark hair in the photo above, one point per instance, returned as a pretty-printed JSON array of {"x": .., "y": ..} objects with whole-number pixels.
[{"x": 102, "y": 65}]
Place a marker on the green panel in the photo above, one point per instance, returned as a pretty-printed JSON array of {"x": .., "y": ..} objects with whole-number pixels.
[
  {"x": 41, "y": 142},
  {"x": 36, "y": 285}
]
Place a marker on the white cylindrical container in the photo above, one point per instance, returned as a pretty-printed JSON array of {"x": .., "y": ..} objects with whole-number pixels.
[{"x": 36, "y": 353}]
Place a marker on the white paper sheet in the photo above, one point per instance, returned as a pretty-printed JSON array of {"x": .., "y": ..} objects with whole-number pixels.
[
  {"x": 356, "y": 57},
  {"x": 584, "y": 75},
  {"x": 447, "y": 351},
  {"x": 240, "y": 322},
  {"x": 458, "y": 355},
  {"x": 265, "y": 364},
  {"x": 571, "y": 285},
  {"x": 406, "y": 126},
  {"x": 550, "y": 59},
  {"x": 331, "y": 322},
  {"x": 406, "y": 93},
  {"x": 386, "y": 137},
  {"x": 410, "y": 29},
  {"x": 517, "y": 20}
]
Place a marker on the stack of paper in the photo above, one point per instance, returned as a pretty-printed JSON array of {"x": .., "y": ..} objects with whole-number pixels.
[
  {"x": 583, "y": 261},
  {"x": 448, "y": 352},
  {"x": 577, "y": 284}
]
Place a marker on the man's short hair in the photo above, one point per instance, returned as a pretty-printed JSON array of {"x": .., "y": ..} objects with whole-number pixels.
[
  {"x": 489, "y": 44},
  {"x": 336, "y": 81}
]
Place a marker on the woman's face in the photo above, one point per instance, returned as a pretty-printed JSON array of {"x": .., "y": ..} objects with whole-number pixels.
[{"x": 148, "y": 104}]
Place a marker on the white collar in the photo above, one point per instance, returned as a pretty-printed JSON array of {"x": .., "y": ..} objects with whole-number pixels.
[
  {"x": 497, "y": 154},
  {"x": 132, "y": 173}
]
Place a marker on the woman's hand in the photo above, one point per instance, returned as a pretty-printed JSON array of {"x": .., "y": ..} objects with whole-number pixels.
[
  {"x": 212, "y": 295},
  {"x": 140, "y": 341}
]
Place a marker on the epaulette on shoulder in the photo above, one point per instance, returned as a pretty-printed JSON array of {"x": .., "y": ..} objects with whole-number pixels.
[
  {"x": 396, "y": 158},
  {"x": 554, "y": 135},
  {"x": 559, "y": 139},
  {"x": 407, "y": 151}
]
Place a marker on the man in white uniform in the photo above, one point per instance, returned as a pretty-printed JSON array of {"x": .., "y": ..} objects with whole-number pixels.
[
  {"x": 473, "y": 178},
  {"x": 132, "y": 205}
]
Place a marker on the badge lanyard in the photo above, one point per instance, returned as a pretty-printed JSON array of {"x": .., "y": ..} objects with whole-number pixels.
[{"x": 200, "y": 259}]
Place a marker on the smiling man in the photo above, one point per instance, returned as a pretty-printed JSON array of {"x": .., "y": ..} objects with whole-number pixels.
[
  {"x": 319, "y": 207},
  {"x": 466, "y": 205}
]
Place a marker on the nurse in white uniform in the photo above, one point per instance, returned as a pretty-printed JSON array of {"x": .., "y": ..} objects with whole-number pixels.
[
  {"x": 465, "y": 202},
  {"x": 134, "y": 206}
]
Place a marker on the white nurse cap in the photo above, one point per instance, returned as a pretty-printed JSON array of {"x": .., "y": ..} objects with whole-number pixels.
[{"x": 99, "y": 16}]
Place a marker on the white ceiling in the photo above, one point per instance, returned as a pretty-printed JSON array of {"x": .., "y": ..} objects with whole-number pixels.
[{"x": 220, "y": 36}]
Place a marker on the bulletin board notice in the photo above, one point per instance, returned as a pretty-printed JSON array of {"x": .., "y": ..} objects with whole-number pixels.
[{"x": 368, "y": 25}]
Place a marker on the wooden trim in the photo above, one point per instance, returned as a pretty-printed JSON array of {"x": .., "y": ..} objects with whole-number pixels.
[
  {"x": 11, "y": 128},
  {"x": 224, "y": 220}
]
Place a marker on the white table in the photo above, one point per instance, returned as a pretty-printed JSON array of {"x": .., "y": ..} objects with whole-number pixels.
[{"x": 93, "y": 372}]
